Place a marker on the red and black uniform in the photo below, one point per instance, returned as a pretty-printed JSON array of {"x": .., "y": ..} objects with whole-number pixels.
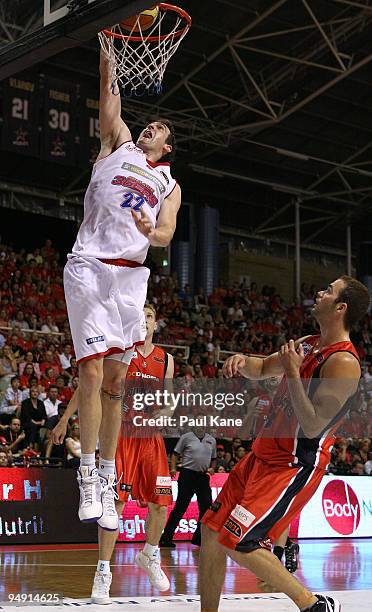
[
  {"x": 272, "y": 484},
  {"x": 264, "y": 403},
  {"x": 142, "y": 461}
]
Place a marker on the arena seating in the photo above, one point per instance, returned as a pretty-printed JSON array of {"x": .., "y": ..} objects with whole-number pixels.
[{"x": 199, "y": 330}]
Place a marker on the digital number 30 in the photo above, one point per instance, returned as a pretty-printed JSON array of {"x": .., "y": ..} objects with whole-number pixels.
[{"x": 130, "y": 199}]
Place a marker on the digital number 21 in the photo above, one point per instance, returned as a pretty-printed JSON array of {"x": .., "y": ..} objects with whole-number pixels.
[{"x": 128, "y": 199}]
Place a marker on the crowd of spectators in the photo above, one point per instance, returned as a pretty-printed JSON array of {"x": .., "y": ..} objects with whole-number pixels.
[{"x": 38, "y": 370}]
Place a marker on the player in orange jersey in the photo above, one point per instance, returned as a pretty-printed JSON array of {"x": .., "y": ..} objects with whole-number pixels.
[
  {"x": 142, "y": 463},
  {"x": 274, "y": 482}
]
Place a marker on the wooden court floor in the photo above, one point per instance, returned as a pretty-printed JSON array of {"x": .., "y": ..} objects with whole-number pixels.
[{"x": 325, "y": 565}]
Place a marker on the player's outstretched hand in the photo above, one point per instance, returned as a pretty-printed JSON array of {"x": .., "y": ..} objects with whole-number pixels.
[
  {"x": 143, "y": 223},
  {"x": 59, "y": 432},
  {"x": 233, "y": 364},
  {"x": 291, "y": 359}
]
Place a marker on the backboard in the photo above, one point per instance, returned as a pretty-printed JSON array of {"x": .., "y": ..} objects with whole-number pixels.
[
  {"x": 63, "y": 24},
  {"x": 58, "y": 9}
]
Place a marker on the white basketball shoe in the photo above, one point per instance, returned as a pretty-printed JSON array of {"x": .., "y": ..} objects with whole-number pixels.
[
  {"x": 90, "y": 506},
  {"x": 109, "y": 519},
  {"x": 101, "y": 588},
  {"x": 151, "y": 565}
]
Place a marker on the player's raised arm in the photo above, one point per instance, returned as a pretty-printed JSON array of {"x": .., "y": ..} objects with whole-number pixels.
[
  {"x": 113, "y": 130},
  {"x": 256, "y": 368}
]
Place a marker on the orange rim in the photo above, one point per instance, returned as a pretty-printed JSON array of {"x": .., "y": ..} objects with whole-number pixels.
[{"x": 164, "y": 7}]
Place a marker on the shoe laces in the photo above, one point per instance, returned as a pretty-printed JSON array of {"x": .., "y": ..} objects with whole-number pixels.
[
  {"x": 102, "y": 582},
  {"x": 155, "y": 567},
  {"x": 291, "y": 552},
  {"x": 88, "y": 485},
  {"x": 109, "y": 495}
]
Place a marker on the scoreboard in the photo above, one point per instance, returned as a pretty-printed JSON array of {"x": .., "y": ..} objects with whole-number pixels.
[{"x": 50, "y": 119}]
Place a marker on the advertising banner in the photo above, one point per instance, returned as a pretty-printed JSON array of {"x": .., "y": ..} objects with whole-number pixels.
[
  {"x": 341, "y": 508},
  {"x": 40, "y": 506}
]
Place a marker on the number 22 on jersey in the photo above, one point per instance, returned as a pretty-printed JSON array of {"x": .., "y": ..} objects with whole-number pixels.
[{"x": 132, "y": 201}]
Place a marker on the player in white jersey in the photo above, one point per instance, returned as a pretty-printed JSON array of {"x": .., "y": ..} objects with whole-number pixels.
[{"x": 131, "y": 203}]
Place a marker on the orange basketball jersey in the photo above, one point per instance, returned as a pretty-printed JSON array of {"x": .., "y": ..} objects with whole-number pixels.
[
  {"x": 153, "y": 366},
  {"x": 145, "y": 375},
  {"x": 282, "y": 440},
  {"x": 141, "y": 457}
]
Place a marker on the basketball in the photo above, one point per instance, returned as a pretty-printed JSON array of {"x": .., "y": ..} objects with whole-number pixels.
[{"x": 145, "y": 19}]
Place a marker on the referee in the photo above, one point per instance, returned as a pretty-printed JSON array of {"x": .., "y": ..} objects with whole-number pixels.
[{"x": 198, "y": 451}]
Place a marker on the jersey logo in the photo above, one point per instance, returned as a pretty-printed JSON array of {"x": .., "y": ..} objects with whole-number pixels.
[
  {"x": 233, "y": 527},
  {"x": 307, "y": 348},
  {"x": 144, "y": 191},
  {"x": 141, "y": 375},
  {"x": 243, "y": 515},
  {"x": 159, "y": 360},
  {"x": 163, "y": 490},
  {"x": 163, "y": 481},
  {"x": 165, "y": 176},
  {"x": 265, "y": 544},
  {"x": 149, "y": 175},
  {"x": 132, "y": 147},
  {"x": 95, "y": 339}
]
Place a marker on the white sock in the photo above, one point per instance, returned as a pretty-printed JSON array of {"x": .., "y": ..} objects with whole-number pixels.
[
  {"x": 88, "y": 459},
  {"x": 103, "y": 567},
  {"x": 106, "y": 467},
  {"x": 150, "y": 550}
]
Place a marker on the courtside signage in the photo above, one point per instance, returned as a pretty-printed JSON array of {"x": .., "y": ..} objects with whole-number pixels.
[
  {"x": 30, "y": 501},
  {"x": 341, "y": 507}
]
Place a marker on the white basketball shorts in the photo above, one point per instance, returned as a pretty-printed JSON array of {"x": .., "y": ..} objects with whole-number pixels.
[{"x": 105, "y": 307}]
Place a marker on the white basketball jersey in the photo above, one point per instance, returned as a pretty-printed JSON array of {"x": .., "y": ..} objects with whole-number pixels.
[{"x": 123, "y": 181}]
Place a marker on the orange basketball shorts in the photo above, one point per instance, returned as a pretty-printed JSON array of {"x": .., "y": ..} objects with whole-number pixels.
[
  {"x": 258, "y": 501},
  {"x": 142, "y": 464}
]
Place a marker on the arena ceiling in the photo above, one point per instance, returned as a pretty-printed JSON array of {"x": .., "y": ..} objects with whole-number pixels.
[{"x": 272, "y": 102}]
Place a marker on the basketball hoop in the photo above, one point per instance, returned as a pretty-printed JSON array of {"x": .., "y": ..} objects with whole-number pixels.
[{"x": 139, "y": 58}]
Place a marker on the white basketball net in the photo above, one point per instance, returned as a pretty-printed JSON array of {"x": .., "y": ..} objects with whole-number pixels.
[{"x": 139, "y": 65}]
